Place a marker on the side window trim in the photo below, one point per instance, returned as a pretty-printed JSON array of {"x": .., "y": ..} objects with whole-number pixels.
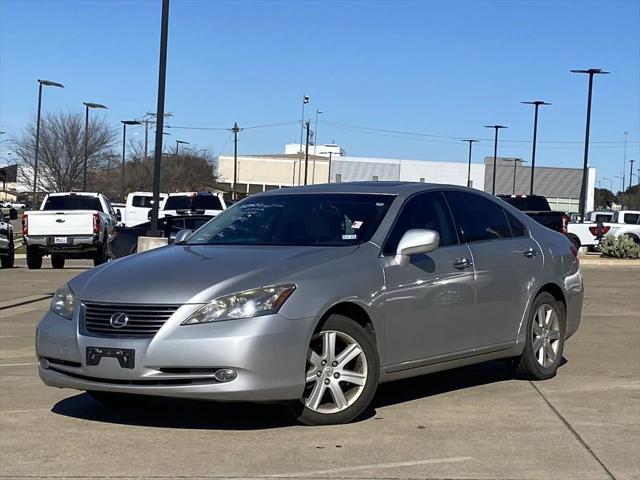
[{"x": 404, "y": 205}]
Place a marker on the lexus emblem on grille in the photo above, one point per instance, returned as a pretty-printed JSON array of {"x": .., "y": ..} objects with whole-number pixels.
[{"x": 119, "y": 320}]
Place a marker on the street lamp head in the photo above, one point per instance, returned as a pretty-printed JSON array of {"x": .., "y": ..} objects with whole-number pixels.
[
  {"x": 131, "y": 122},
  {"x": 49, "y": 83},
  {"x": 536, "y": 102},
  {"x": 182, "y": 142},
  {"x": 470, "y": 140},
  {"x": 94, "y": 105},
  {"x": 591, "y": 71},
  {"x": 495, "y": 126}
]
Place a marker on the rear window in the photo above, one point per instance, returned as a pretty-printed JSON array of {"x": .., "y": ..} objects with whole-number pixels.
[
  {"x": 631, "y": 218},
  {"x": 602, "y": 218},
  {"x": 197, "y": 202},
  {"x": 535, "y": 203},
  {"x": 72, "y": 202}
]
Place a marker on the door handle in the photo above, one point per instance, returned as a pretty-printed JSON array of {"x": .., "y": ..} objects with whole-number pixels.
[
  {"x": 530, "y": 252},
  {"x": 462, "y": 263}
]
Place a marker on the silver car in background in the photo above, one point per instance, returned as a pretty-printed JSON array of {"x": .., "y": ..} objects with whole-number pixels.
[{"x": 315, "y": 295}]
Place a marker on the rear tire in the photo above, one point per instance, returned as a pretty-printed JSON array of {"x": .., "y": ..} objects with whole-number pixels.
[
  {"x": 340, "y": 349},
  {"x": 57, "y": 260},
  {"x": 101, "y": 256},
  {"x": 34, "y": 257},
  {"x": 546, "y": 331},
  {"x": 8, "y": 260}
]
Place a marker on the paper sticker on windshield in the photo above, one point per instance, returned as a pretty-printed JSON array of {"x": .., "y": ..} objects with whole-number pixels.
[
  {"x": 356, "y": 224},
  {"x": 349, "y": 237}
]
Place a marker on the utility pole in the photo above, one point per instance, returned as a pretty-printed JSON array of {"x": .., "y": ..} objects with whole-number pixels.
[
  {"x": 306, "y": 153},
  {"x": 235, "y": 131},
  {"x": 329, "y": 173},
  {"x": 471, "y": 142},
  {"x": 631, "y": 173},
  {"x": 585, "y": 167}
]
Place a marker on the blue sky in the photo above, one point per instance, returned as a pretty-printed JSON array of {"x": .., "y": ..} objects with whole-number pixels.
[{"x": 441, "y": 68}]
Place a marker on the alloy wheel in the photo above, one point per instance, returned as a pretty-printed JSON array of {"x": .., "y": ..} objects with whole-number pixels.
[
  {"x": 336, "y": 372},
  {"x": 546, "y": 335}
]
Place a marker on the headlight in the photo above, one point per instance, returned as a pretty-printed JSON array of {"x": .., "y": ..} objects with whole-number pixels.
[
  {"x": 250, "y": 303},
  {"x": 63, "y": 301}
]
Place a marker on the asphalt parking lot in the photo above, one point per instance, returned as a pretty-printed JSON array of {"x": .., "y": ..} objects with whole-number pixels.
[{"x": 474, "y": 422}]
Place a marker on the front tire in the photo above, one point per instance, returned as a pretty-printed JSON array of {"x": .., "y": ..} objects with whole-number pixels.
[
  {"x": 57, "y": 260},
  {"x": 546, "y": 331},
  {"x": 101, "y": 255},
  {"x": 34, "y": 257},
  {"x": 342, "y": 373}
]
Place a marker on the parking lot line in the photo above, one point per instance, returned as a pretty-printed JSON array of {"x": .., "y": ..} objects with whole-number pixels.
[{"x": 18, "y": 365}]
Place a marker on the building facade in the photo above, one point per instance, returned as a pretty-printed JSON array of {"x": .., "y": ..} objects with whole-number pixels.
[{"x": 257, "y": 173}]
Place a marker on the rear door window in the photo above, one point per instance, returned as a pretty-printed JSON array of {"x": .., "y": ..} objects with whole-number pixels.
[
  {"x": 142, "y": 201},
  {"x": 631, "y": 218},
  {"x": 477, "y": 218},
  {"x": 517, "y": 228}
]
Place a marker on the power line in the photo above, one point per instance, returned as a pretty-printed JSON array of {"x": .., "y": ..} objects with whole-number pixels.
[{"x": 269, "y": 125}]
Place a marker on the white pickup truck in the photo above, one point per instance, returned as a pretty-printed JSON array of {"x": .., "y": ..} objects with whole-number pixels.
[
  {"x": 192, "y": 203},
  {"x": 69, "y": 225},
  {"x": 138, "y": 207},
  {"x": 625, "y": 222}
]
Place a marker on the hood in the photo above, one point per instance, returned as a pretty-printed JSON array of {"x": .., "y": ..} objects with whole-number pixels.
[{"x": 180, "y": 274}]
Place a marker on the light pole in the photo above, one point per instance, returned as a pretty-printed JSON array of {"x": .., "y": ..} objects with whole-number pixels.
[
  {"x": 495, "y": 153},
  {"x": 624, "y": 160},
  {"x": 515, "y": 169},
  {"x": 305, "y": 100},
  {"x": 585, "y": 170},
  {"x": 306, "y": 155},
  {"x": 536, "y": 104},
  {"x": 45, "y": 83},
  {"x": 87, "y": 105},
  {"x": 471, "y": 142},
  {"x": 157, "y": 154},
  {"x": 124, "y": 146},
  {"x": 631, "y": 173},
  {"x": 610, "y": 183},
  {"x": 178, "y": 143},
  {"x": 315, "y": 144}
]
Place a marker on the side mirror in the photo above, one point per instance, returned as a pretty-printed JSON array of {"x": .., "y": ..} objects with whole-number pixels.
[
  {"x": 13, "y": 214},
  {"x": 119, "y": 215},
  {"x": 182, "y": 236},
  {"x": 416, "y": 241}
]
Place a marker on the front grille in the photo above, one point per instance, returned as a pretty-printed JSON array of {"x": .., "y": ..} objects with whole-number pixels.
[{"x": 143, "y": 320}]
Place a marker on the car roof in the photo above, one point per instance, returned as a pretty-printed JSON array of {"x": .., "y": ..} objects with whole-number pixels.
[
  {"x": 66, "y": 194},
  {"x": 375, "y": 187}
]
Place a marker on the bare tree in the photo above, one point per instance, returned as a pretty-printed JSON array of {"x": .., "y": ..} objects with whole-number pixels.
[{"x": 61, "y": 153}]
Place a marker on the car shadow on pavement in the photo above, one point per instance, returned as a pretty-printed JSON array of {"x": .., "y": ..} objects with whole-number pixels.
[{"x": 195, "y": 414}]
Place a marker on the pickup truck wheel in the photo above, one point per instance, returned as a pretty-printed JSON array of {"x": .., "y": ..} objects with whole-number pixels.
[
  {"x": 8, "y": 260},
  {"x": 101, "y": 256},
  {"x": 57, "y": 260},
  {"x": 34, "y": 257}
]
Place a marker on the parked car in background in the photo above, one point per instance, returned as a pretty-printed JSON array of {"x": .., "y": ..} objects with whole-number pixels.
[
  {"x": 537, "y": 207},
  {"x": 69, "y": 225},
  {"x": 625, "y": 222},
  {"x": 202, "y": 203},
  {"x": 314, "y": 295},
  {"x": 138, "y": 207},
  {"x": 125, "y": 239},
  {"x": 7, "y": 246}
]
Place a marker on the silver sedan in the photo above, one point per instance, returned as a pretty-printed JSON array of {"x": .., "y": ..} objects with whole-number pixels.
[{"x": 316, "y": 295}]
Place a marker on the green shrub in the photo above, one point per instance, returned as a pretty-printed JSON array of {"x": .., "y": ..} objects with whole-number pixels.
[{"x": 619, "y": 247}]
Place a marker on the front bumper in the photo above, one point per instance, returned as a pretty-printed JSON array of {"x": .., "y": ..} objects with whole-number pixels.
[{"x": 268, "y": 353}]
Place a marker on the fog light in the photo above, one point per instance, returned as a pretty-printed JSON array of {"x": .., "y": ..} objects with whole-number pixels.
[
  {"x": 225, "y": 375},
  {"x": 44, "y": 363}
]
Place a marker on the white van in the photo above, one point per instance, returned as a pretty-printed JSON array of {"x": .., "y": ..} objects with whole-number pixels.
[{"x": 138, "y": 207}]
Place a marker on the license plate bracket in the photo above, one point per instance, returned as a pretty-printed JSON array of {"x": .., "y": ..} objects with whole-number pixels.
[{"x": 125, "y": 356}]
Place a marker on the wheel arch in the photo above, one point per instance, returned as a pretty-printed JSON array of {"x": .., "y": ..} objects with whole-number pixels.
[
  {"x": 352, "y": 310},
  {"x": 555, "y": 290}
]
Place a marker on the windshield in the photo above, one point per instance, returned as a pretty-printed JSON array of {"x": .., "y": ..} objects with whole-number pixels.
[
  {"x": 72, "y": 202},
  {"x": 195, "y": 202},
  {"x": 297, "y": 220}
]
